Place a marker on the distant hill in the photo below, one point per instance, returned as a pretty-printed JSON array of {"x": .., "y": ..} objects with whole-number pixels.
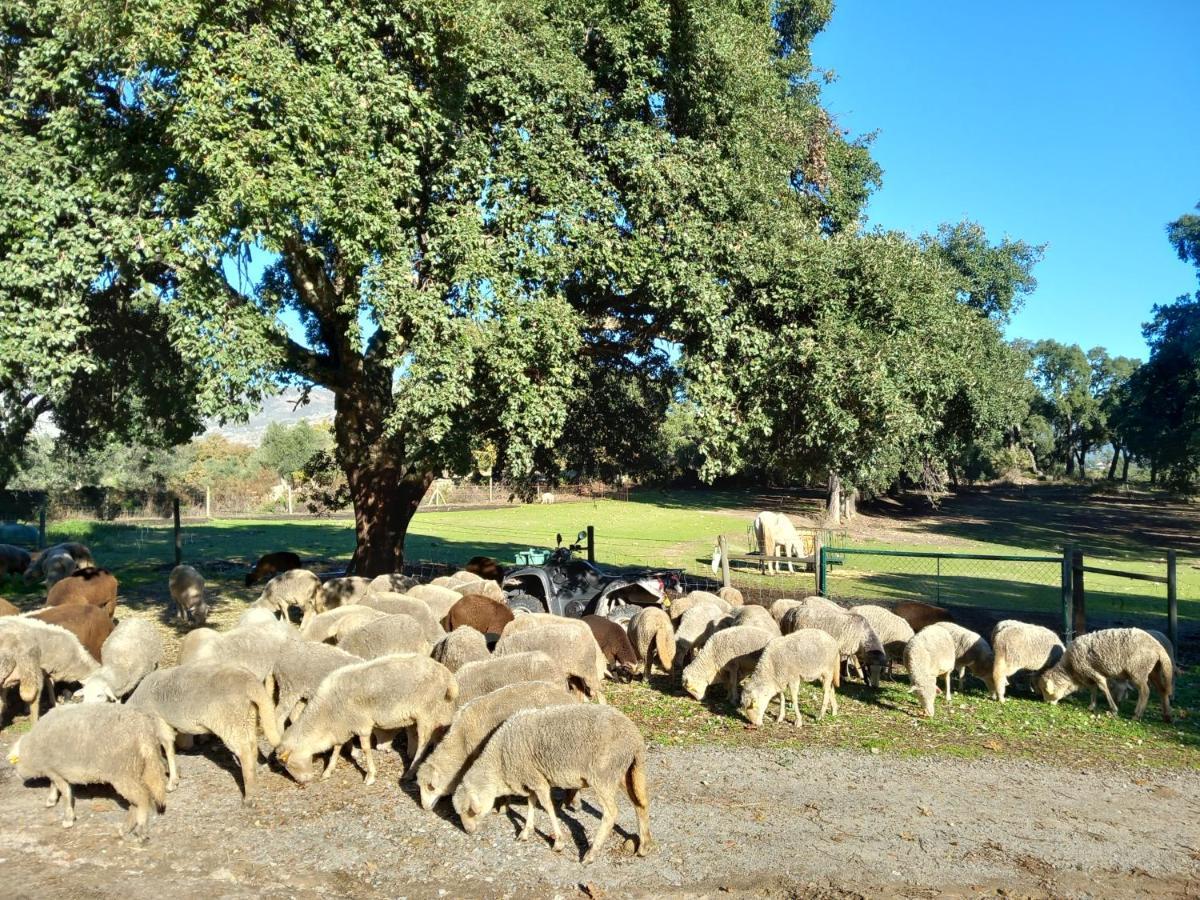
[{"x": 278, "y": 409}]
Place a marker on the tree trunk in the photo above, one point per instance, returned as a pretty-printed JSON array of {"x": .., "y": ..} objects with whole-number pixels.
[
  {"x": 1068, "y": 445},
  {"x": 850, "y": 501},
  {"x": 1112, "y": 467},
  {"x": 833, "y": 500},
  {"x": 385, "y": 500},
  {"x": 1125, "y": 469}
]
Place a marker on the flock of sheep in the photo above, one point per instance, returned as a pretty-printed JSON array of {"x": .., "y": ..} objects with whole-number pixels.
[{"x": 493, "y": 703}]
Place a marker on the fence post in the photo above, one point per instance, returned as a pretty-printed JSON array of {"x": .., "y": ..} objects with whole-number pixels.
[
  {"x": 178, "y": 532},
  {"x": 42, "y": 526},
  {"x": 1067, "y": 602},
  {"x": 591, "y": 545},
  {"x": 821, "y": 586},
  {"x": 1172, "y": 602},
  {"x": 818, "y": 555},
  {"x": 723, "y": 549},
  {"x": 1078, "y": 598},
  {"x": 207, "y": 502}
]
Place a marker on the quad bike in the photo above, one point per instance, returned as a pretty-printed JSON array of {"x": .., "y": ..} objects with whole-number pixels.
[{"x": 567, "y": 586}]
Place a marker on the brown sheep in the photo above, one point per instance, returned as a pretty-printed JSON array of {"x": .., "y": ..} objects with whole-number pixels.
[
  {"x": 7, "y": 609},
  {"x": 486, "y": 568},
  {"x": 481, "y": 613},
  {"x": 14, "y": 560},
  {"x": 86, "y": 587},
  {"x": 88, "y": 623},
  {"x": 614, "y": 642},
  {"x": 918, "y": 614},
  {"x": 272, "y": 564}
]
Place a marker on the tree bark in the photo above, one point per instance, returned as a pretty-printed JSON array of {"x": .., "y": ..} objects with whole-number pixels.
[
  {"x": 385, "y": 500},
  {"x": 833, "y": 500},
  {"x": 1112, "y": 467},
  {"x": 850, "y": 500},
  {"x": 1125, "y": 469}
]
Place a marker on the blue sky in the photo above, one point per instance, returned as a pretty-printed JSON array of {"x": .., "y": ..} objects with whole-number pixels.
[{"x": 1066, "y": 123}]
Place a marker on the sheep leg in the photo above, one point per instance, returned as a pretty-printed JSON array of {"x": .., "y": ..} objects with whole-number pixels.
[
  {"x": 530, "y": 806},
  {"x": 608, "y": 807},
  {"x": 948, "y": 689},
  {"x": 248, "y": 759},
  {"x": 417, "y": 752},
  {"x": 1143, "y": 690},
  {"x": 364, "y": 741},
  {"x": 794, "y": 689},
  {"x": 1102, "y": 683},
  {"x": 52, "y": 797},
  {"x": 333, "y": 758},
  {"x": 64, "y": 788},
  {"x": 138, "y": 817},
  {"x": 1092, "y": 702},
  {"x": 833, "y": 693},
  {"x": 635, "y": 787},
  {"x": 167, "y": 742},
  {"x": 571, "y": 799},
  {"x": 782, "y": 706},
  {"x": 547, "y": 803}
]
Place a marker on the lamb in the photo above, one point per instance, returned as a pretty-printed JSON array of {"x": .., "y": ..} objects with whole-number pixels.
[
  {"x": 439, "y": 599},
  {"x": 388, "y": 693},
  {"x": 756, "y": 616},
  {"x": 473, "y": 725},
  {"x": 295, "y": 587},
  {"x": 385, "y": 636},
  {"x": 394, "y": 583},
  {"x": 678, "y": 608},
  {"x": 461, "y": 646},
  {"x": 341, "y": 591},
  {"x": 694, "y": 628},
  {"x": 733, "y": 652},
  {"x": 90, "y": 625},
  {"x": 299, "y": 669},
  {"x": 855, "y": 636},
  {"x": 576, "y": 652},
  {"x": 1018, "y": 646},
  {"x": 930, "y": 654},
  {"x": 326, "y": 626},
  {"x": 396, "y": 604},
  {"x": 85, "y": 587},
  {"x": 478, "y": 678},
  {"x": 186, "y": 585},
  {"x": 107, "y": 744},
  {"x": 781, "y": 606},
  {"x": 732, "y": 596},
  {"x": 560, "y": 746},
  {"x": 128, "y": 655},
  {"x": 1127, "y": 654},
  {"x": 652, "y": 637},
  {"x": 255, "y": 648},
  {"x": 14, "y": 560},
  {"x": 58, "y": 652},
  {"x": 614, "y": 644},
  {"x": 918, "y": 615},
  {"x": 479, "y": 612},
  {"x": 805, "y": 655},
  {"x": 973, "y": 653},
  {"x": 220, "y": 698},
  {"x": 893, "y": 632},
  {"x": 272, "y": 564}
]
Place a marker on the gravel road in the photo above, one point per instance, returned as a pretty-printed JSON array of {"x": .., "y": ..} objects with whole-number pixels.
[{"x": 725, "y": 822}]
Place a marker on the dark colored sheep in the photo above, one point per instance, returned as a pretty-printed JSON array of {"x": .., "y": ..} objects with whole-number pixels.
[
  {"x": 614, "y": 642},
  {"x": 918, "y": 614},
  {"x": 486, "y": 568},
  {"x": 14, "y": 560},
  {"x": 88, "y": 623},
  {"x": 271, "y": 565},
  {"x": 86, "y": 587},
  {"x": 482, "y": 613}
]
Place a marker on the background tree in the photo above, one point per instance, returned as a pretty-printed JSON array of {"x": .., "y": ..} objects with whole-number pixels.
[
  {"x": 990, "y": 278},
  {"x": 1184, "y": 235}
]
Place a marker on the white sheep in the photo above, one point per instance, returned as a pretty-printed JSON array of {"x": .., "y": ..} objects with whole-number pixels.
[
  {"x": 388, "y": 693},
  {"x": 393, "y": 583},
  {"x": 732, "y": 596},
  {"x": 802, "y": 656},
  {"x": 326, "y": 626},
  {"x": 438, "y": 599},
  {"x": 566, "y": 747},
  {"x": 756, "y": 616},
  {"x": 129, "y": 654},
  {"x": 59, "y": 654},
  {"x": 254, "y": 647},
  {"x": 482, "y": 588},
  {"x": 677, "y": 609},
  {"x": 781, "y": 606},
  {"x": 342, "y": 591},
  {"x": 928, "y": 655},
  {"x": 219, "y": 698},
  {"x": 652, "y": 636},
  {"x": 694, "y": 628},
  {"x": 974, "y": 654},
  {"x": 732, "y": 652},
  {"x": 1019, "y": 646},
  {"x": 299, "y": 670},
  {"x": 461, "y": 646},
  {"x": 478, "y": 678},
  {"x": 473, "y": 725},
  {"x": 893, "y": 632},
  {"x": 1124, "y": 654},
  {"x": 397, "y": 604},
  {"x": 98, "y": 744},
  {"x": 21, "y": 666},
  {"x": 295, "y": 587},
  {"x": 856, "y": 638},
  {"x": 186, "y": 586},
  {"x": 385, "y": 636},
  {"x": 577, "y": 653}
]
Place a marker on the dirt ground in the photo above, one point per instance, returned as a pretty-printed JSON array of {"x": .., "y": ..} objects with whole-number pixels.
[{"x": 746, "y": 822}]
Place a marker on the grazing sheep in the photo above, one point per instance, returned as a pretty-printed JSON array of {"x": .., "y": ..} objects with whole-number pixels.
[
  {"x": 653, "y": 637},
  {"x": 566, "y": 747},
  {"x": 732, "y": 652},
  {"x": 254, "y": 648},
  {"x": 470, "y": 729},
  {"x": 388, "y": 693},
  {"x": 219, "y": 698},
  {"x": 93, "y": 744},
  {"x": 90, "y": 624},
  {"x": 461, "y": 646},
  {"x": 973, "y": 653},
  {"x": 326, "y": 626},
  {"x": 575, "y": 650},
  {"x": 257, "y": 617},
  {"x": 756, "y": 616},
  {"x": 678, "y": 608},
  {"x": 781, "y": 606},
  {"x": 482, "y": 613},
  {"x": 272, "y": 564},
  {"x": 57, "y": 562},
  {"x": 694, "y": 628},
  {"x": 394, "y": 583},
  {"x": 341, "y": 591},
  {"x": 445, "y": 581},
  {"x": 406, "y": 604},
  {"x": 439, "y": 599},
  {"x": 295, "y": 587},
  {"x": 478, "y": 678},
  {"x": 928, "y": 655},
  {"x": 918, "y": 615},
  {"x": 7, "y": 609},
  {"x": 530, "y": 621},
  {"x": 385, "y": 636},
  {"x": 732, "y": 596},
  {"x": 486, "y": 568},
  {"x": 21, "y": 666},
  {"x": 128, "y": 655},
  {"x": 1019, "y": 646},
  {"x": 299, "y": 670},
  {"x": 614, "y": 644},
  {"x": 816, "y": 601},
  {"x": 1125, "y": 654},
  {"x": 14, "y": 560},
  {"x": 186, "y": 585},
  {"x": 481, "y": 588},
  {"x": 85, "y": 587},
  {"x": 893, "y": 632},
  {"x": 805, "y": 655},
  {"x": 855, "y": 636}
]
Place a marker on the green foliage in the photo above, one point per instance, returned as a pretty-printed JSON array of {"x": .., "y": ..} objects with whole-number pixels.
[
  {"x": 989, "y": 278},
  {"x": 1184, "y": 235},
  {"x": 287, "y": 450}
]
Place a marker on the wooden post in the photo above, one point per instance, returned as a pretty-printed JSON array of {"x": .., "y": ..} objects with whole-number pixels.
[
  {"x": 1172, "y": 602},
  {"x": 207, "y": 502},
  {"x": 1078, "y": 600},
  {"x": 591, "y": 545},
  {"x": 818, "y": 558},
  {"x": 724, "y": 551},
  {"x": 42, "y": 526},
  {"x": 289, "y": 487},
  {"x": 1067, "y": 583},
  {"x": 178, "y": 532}
]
